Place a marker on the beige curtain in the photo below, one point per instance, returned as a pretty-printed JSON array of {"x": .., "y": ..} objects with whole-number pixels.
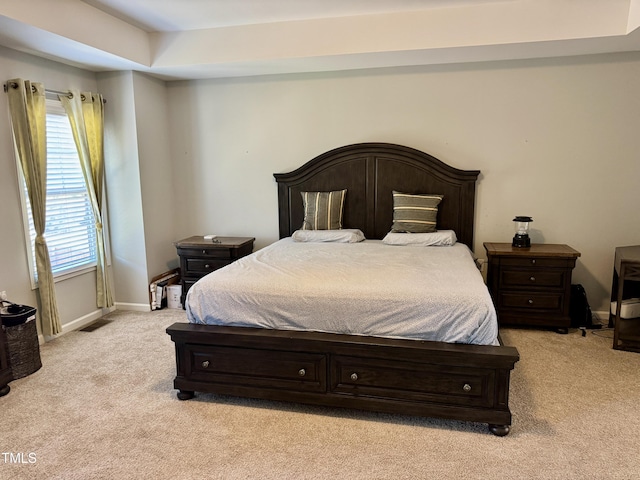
[
  {"x": 28, "y": 121},
  {"x": 86, "y": 114}
]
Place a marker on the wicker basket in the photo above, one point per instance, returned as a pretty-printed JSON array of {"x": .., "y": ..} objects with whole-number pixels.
[{"x": 23, "y": 349}]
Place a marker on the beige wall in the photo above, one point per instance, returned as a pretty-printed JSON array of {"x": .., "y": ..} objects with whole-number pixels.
[
  {"x": 140, "y": 183},
  {"x": 157, "y": 179},
  {"x": 554, "y": 139},
  {"x": 124, "y": 199}
]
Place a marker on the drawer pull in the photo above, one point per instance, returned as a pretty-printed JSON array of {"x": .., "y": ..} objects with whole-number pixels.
[
  {"x": 205, "y": 364},
  {"x": 354, "y": 376},
  {"x": 466, "y": 387},
  {"x": 530, "y": 302},
  {"x": 204, "y": 251},
  {"x": 533, "y": 260},
  {"x": 207, "y": 266},
  {"x": 533, "y": 279},
  {"x": 302, "y": 372}
]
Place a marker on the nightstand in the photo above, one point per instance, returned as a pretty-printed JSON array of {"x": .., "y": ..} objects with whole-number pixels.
[
  {"x": 199, "y": 257},
  {"x": 625, "y": 285},
  {"x": 531, "y": 286},
  {"x": 5, "y": 370}
]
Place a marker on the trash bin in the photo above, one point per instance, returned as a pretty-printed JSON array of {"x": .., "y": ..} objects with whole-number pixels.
[{"x": 23, "y": 348}]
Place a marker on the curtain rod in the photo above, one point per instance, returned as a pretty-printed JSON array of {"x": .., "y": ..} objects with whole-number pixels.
[
  {"x": 67, "y": 94},
  {"x": 47, "y": 91}
]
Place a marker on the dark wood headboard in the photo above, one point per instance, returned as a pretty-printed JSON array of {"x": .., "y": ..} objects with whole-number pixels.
[{"x": 370, "y": 172}]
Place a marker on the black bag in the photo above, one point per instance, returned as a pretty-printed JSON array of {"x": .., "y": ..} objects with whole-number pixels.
[{"x": 579, "y": 308}]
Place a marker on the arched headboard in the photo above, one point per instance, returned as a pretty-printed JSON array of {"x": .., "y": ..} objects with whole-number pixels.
[{"x": 370, "y": 172}]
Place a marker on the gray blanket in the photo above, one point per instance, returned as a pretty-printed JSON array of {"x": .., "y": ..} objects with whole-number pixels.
[{"x": 367, "y": 288}]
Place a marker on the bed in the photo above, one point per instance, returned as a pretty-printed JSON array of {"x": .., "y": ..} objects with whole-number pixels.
[{"x": 452, "y": 377}]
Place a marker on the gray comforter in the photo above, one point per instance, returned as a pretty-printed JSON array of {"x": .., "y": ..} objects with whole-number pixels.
[{"x": 367, "y": 288}]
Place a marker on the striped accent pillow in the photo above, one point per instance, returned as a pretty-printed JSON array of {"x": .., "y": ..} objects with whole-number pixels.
[
  {"x": 323, "y": 210},
  {"x": 415, "y": 213}
]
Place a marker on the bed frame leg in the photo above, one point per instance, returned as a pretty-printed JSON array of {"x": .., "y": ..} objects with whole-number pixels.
[
  {"x": 499, "y": 430},
  {"x": 185, "y": 394}
]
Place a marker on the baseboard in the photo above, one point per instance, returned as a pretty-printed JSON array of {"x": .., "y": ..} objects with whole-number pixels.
[
  {"x": 77, "y": 324},
  {"x": 601, "y": 317},
  {"x": 133, "y": 307}
]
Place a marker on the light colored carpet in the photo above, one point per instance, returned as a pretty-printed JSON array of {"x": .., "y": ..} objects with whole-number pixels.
[{"x": 103, "y": 407}]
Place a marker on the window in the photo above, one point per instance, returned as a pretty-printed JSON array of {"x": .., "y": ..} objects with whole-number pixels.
[{"x": 70, "y": 227}]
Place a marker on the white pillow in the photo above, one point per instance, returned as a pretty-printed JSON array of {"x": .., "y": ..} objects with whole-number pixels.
[
  {"x": 434, "y": 239},
  {"x": 345, "y": 235}
]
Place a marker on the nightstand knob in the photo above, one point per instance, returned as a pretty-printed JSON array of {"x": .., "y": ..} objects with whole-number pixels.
[
  {"x": 204, "y": 251},
  {"x": 533, "y": 260},
  {"x": 207, "y": 266},
  {"x": 354, "y": 376},
  {"x": 533, "y": 279},
  {"x": 302, "y": 372},
  {"x": 467, "y": 387},
  {"x": 530, "y": 302},
  {"x": 205, "y": 364}
]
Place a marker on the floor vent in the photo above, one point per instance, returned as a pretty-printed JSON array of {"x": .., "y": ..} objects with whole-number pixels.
[{"x": 95, "y": 325}]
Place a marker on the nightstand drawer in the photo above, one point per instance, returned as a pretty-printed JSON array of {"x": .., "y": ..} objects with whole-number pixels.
[
  {"x": 538, "y": 262},
  {"x": 187, "y": 283},
  {"x": 204, "y": 265},
  {"x": 205, "y": 252},
  {"x": 532, "y": 278},
  {"x": 531, "y": 301}
]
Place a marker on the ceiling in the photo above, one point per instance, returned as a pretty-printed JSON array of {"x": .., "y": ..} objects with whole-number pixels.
[
  {"x": 172, "y": 15},
  {"x": 190, "y": 39}
]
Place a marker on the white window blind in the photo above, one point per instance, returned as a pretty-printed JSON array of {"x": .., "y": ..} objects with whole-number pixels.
[{"x": 70, "y": 227}]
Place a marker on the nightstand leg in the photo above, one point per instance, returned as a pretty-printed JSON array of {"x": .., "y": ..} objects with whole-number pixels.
[
  {"x": 185, "y": 394},
  {"x": 499, "y": 430}
]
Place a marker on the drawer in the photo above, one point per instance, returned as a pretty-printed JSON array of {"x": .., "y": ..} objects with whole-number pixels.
[
  {"x": 531, "y": 301},
  {"x": 255, "y": 367},
  {"x": 531, "y": 277},
  {"x": 202, "y": 266},
  {"x": 539, "y": 262},
  {"x": 186, "y": 285},
  {"x": 411, "y": 381},
  {"x": 218, "y": 252}
]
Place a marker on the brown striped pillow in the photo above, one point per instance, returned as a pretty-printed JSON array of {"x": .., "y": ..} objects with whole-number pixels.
[
  {"x": 323, "y": 210},
  {"x": 415, "y": 213}
]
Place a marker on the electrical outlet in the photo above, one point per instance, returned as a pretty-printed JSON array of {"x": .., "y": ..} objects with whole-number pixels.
[{"x": 3, "y": 295}]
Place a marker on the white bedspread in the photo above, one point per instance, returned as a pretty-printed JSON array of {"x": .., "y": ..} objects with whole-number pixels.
[{"x": 367, "y": 288}]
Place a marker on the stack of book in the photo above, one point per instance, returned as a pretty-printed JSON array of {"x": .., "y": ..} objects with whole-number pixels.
[{"x": 158, "y": 288}]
